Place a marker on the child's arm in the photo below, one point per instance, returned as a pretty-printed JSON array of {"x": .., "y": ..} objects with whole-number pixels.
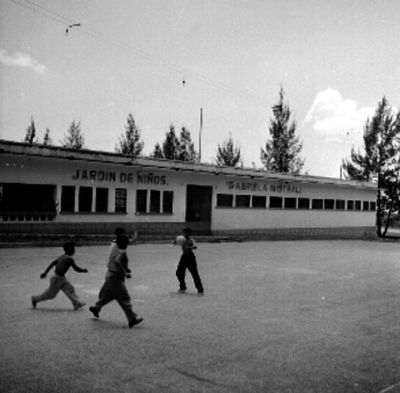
[
  {"x": 77, "y": 268},
  {"x": 192, "y": 245},
  {"x": 124, "y": 263},
  {"x": 52, "y": 264}
]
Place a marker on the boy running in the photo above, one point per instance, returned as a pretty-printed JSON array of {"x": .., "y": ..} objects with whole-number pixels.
[
  {"x": 58, "y": 281},
  {"x": 114, "y": 286},
  {"x": 188, "y": 261}
]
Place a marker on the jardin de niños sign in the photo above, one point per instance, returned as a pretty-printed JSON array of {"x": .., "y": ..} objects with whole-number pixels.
[{"x": 122, "y": 177}]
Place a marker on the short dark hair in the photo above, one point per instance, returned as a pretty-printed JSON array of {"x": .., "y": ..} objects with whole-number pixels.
[
  {"x": 69, "y": 247},
  {"x": 119, "y": 231},
  {"x": 187, "y": 230},
  {"x": 122, "y": 241}
]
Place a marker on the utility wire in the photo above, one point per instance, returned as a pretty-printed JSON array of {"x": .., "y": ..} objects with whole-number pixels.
[{"x": 60, "y": 19}]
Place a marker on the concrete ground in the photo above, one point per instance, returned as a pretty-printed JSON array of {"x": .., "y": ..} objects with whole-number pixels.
[{"x": 279, "y": 317}]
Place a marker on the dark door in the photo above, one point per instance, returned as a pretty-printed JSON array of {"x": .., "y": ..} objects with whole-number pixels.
[{"x": 198, "y": 207}]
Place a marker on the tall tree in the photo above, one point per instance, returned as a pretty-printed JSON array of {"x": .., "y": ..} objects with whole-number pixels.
[
  {"x": 74, "y": 138},
  {"x": 379, "y": 161},
  {"x": 157, "y": 152},
  {"x": 130, "y": 143},
  {"x": 186, "y": 147},
  {"x": 30, "y": 134},
  {"x": 228, "y": 154},
  {"x": 282, "y": 152},
  {"x": 174, "y": 148},
  {"x": 170, "y": 146},
  {"x": 47, "y": 139}
]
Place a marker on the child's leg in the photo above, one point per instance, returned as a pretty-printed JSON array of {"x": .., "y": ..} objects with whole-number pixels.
[
  {"x": 50, "y": 292},
  {"x": 124, "y": 300},
  {"x": 181, "y": 273},
  {"x": 192, "y": 267},
  {"x": 69, "y": 291},
  {"x": 105, "y": 296}
]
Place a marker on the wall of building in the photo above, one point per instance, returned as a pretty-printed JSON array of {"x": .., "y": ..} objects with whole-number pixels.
[
  {"x": 254, "y": 218},
  {"x": 256, "y": 221}
]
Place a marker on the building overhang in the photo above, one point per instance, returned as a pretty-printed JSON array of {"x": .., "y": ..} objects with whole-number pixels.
[{"x": 61, "y": 153}]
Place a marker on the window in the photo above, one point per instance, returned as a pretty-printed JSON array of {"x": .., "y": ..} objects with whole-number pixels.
[
  {"x": 350, "y": 205},
  {"x": 101, "y": 199},
  {"x": 365, "y": 205},
  {"x": 259, "y": 201},
  {"x": 120, "y": 200},
  {"x": 317, "y": 204},
  {"x": 340, "y": 204},
  {"x": 85, "y": 199},
  {"x": 224, "y": 200},
  {"x": 358, "y": 205},
  {"x": 275, "y": 202},
  {"x": 68, "y": 198},
  {"x": 372, "y": 206},
  {"x": 155, "y": 201},
  {"x": 290, "y": 203},
  {"x": 304, "y": 203},
  {"x": 242, "y": 200},
  {"x": 168, "y": 198},
  {"x": 141, "y": 201},
  {"x": 329, "y": 204}
]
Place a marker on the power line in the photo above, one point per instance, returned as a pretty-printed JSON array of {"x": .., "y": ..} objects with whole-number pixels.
[{"x": 61, "y": 19}]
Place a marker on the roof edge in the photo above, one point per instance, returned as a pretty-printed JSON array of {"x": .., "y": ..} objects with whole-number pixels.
[{"x": 58, "y": 152}]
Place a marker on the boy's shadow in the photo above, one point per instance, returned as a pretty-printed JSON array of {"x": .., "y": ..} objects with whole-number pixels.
[
  {"x": 102, "y": 324},
  {"x": 179, "y": 294},
  {"x": 54, "y": 310}
]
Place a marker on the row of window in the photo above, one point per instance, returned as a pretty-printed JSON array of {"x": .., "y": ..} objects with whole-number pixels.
[
  {"x": 147, "y": 201},
  {"x": 257, "y": 201}
]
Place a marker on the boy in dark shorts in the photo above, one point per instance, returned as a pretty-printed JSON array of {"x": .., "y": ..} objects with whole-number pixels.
[
  {"x": 188, "y": 261},
  {"x": 59, "y": 282},
  {"x": 114, "y": 286}
]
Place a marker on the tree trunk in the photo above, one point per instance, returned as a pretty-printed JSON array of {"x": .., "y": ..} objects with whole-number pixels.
[
  {"x": 379, "y": 214},
  {"x": 387, "y": 222}
]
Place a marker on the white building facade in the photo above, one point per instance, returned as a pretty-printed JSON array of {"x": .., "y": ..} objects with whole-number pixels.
[{"x": 60, "y": 191}]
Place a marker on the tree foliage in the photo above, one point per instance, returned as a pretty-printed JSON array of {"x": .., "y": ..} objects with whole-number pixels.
[
  {"x": 282, "y": 152},
  {"x": 157, "y": 152},
  {"x": 130, "y": 143},
  {"x": 228, "y": 154},
  {"x": 47, "y": 141},
  {"x": 186, "y": 147},
  {"x": 379, "y": 161},
  {"x": 74, "y": 138},
  {"x": 174, "y": 148},
  {"x": 30, "y": 134}
]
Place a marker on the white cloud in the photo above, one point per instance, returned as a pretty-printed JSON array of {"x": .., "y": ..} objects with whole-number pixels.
[
  {"x": 21, "y": 60},
  {"x": 335, "y": 117}
]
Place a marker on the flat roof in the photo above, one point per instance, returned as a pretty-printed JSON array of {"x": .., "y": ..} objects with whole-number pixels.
[{"x": 57, "y": 152}]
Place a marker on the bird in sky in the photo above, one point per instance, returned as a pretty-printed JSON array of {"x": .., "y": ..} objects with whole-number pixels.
[{"x": 70, "y": 27}]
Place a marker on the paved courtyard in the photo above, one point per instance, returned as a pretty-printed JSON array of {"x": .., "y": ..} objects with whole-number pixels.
[{"x": 277, "y": 317}]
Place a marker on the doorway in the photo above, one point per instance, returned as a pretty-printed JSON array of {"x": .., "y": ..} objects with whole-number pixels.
[{"x": 198, "y": 208}]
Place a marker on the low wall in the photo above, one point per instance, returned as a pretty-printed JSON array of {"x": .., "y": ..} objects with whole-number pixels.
[
  {"x": 300, "y": 233},
  {"x": 158, "y": 231}
]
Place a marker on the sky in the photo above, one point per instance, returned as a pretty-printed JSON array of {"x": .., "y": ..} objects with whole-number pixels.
[{"x": 164, "y": 60}]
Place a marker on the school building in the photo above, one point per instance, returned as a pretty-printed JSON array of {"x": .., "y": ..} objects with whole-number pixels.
[{"x": 48, "y": 190}]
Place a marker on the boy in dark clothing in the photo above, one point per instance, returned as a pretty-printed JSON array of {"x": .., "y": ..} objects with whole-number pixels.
[
  {"x": 114, "y": 286},
  {"x": 58, "y": 281},
  {"x": 188, "y": 261}
]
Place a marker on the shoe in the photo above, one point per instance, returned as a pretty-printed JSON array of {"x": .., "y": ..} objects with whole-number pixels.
[
  {"x": 79, "y": 306},
  {"x": 34, "y": 303},
  {"x": 200, "y": 293},
  {"x": 94, "y": 311},
  {"x": 181, "y": 290},
  {"x": 134, "y": 322}
]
